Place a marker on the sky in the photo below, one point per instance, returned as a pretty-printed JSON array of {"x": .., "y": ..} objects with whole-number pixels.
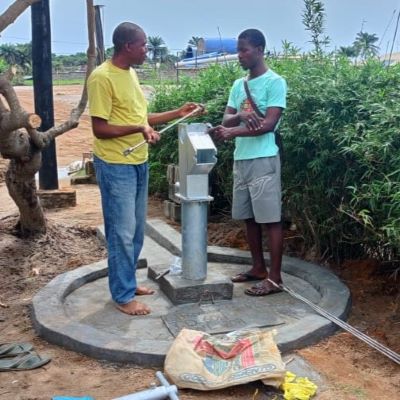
[{"x": 176, "y": 21}]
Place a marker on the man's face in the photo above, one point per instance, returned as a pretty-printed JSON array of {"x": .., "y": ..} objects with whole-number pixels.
[
  {"x": 137, "y": 49},
  {"x": 248, "y": 55}
]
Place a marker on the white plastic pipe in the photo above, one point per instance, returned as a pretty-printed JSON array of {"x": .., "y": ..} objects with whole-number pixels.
[
  {"x": 158, "y": 393},
  {"x": 166, "y": 391}
]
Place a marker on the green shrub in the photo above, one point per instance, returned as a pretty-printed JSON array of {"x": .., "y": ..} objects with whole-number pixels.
[
  {"x": 211, "y": 87},
  {"x": 341, "y": 174},
  {"x": 3, "y": 65},
  {"x": 341, "y": 135}
]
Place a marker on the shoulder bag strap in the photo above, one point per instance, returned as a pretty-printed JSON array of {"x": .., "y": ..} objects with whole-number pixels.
[
  {"x": 278, "y": 137},
  {"x": 253, "y": 104}
]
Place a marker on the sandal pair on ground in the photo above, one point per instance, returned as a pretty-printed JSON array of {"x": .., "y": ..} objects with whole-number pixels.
[
  {"x": 20, "y": 357},
  {"x": 263, "y": 288}
]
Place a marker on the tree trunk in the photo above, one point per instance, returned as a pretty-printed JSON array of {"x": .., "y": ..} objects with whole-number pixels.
[
  {"x": 21, "y": 142},
  {"x": 21, "y": 184}
]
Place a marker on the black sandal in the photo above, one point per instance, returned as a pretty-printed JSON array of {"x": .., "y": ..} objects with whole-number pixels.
[{"x": 246, "y": 277}]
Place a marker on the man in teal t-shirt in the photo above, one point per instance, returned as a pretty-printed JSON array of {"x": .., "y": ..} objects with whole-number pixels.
[{"x": 257, "y": 167}]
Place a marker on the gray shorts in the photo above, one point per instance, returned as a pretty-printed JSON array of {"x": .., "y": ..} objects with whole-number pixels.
[{"x": 257, "y": 189}]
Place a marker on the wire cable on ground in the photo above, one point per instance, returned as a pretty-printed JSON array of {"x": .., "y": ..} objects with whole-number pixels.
[{"x": 344, "y": 325}]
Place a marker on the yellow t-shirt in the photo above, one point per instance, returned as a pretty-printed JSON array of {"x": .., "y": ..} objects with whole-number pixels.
[{"x": 115, "y": 95}]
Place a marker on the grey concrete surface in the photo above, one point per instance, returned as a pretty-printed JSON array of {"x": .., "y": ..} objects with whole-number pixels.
[
  {"x": 216, "y": 286},
  {"x": 75, "y": 309}
]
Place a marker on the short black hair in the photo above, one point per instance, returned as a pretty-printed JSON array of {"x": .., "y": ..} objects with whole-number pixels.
[
  {"x": 254, "y": 37},
  {"x": 124, "y": 33}
]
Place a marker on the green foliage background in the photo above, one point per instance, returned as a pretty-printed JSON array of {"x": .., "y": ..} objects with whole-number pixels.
[
  {"x": 342, "y": 175},
  {"x": 210, "y": 87},
  {"x": 3, "y": 66},
  {"x": 341, "y": 172}
]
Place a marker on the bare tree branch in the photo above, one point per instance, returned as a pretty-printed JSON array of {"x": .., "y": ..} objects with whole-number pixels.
[
  {"x": 23, "y": 146},
  {"x": 13, "y": 12},
  {"x": 16, "y": 117}
]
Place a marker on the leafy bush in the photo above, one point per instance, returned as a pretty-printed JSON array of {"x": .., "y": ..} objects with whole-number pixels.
[
  {"x": 211, "y": 87},
  {"x": 341, "y": 174},
  {"x": 3, "y": 66}
]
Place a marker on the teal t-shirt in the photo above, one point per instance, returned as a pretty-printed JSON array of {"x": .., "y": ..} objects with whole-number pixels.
[{"x": 267, "y": 90}]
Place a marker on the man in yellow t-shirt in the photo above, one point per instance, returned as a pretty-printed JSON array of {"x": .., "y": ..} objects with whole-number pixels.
[{"x": 119, "y": 116}]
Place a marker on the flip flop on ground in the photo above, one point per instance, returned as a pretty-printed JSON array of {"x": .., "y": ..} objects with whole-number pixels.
[
  {"x": 23, "y": 362},
  {"x": 263, "y": 288},
  {"x": 13, "y": 349},
  {"x": 246, "y": 277}
]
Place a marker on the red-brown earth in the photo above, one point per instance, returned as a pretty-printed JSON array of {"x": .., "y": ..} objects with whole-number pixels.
[{"x": 351, "y": 369}]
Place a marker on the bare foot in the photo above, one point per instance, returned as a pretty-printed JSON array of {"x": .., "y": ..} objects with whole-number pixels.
[
  {"x": 134, "y": 308},
  {"x": 143, "y": 291}
]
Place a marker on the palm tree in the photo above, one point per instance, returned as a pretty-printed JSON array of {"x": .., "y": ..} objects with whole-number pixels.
[
  {"x": 365, "y": 45},
  {"x": 9, "y": 54},
  {"x": 347, "y": 51},
  {"x": 194, "y": 41},
  {"x": 156, "y": 47},
  {"x": 17, "y": 54}
]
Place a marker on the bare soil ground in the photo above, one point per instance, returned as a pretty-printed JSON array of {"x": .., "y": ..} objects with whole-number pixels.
[{"x": 351, "y": 369}]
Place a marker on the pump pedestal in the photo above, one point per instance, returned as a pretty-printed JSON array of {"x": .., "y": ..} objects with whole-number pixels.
[
  {"x": 179, "y": 290},
  {"x": 199, "y": 281}
]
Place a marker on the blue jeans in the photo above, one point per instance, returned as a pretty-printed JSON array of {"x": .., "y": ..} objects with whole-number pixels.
[{"x": 123, "y": 189}]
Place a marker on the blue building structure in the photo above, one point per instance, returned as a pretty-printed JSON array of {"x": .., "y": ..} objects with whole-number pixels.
[{"x": 217, "y": 45}]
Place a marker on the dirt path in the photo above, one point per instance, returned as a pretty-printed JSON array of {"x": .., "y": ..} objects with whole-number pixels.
[{"x": 351, "y": 369}]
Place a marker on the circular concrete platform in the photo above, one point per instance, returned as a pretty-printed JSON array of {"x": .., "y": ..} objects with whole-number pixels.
[{"x": 75, "y": 309}]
